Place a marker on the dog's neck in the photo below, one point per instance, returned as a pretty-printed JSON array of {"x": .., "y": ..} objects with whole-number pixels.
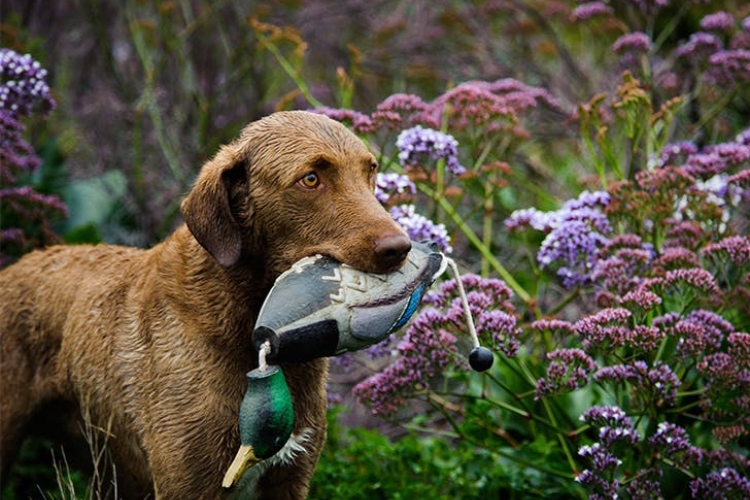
[{"x": 183, "y": 262}]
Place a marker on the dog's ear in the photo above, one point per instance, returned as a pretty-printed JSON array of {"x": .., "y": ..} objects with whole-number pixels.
[{"x": 211, "y": 208}]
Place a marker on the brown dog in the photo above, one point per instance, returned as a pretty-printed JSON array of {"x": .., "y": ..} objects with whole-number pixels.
[{"x": 155, "y": 344}]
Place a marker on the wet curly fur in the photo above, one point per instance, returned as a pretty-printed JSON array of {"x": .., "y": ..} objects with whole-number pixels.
[{"x": 156, "y": 343}]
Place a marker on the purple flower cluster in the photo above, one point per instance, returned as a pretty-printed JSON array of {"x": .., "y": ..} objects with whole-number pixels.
[
  {"x": 699, "y": 44},
  {"x": 698, "y": 333},
  {"x": 23, "y": 85},
  {"x": 616, "y": 430},
  {"x": 725, "y": 66},
  {"x": 419, "y": 227},
  {"x": 599, "y": 477},
  {"x": 569, "y": 369},
  {"x": 646, "y": 484},
  {"x": 621, "y": 264},
  {"x": 636, "y": 42},
  {"x": 396, "y": 111},
  {"x": 727, "y": 375},
  {"x": 424, "y": 352},
  {"x": 360, "y": 122},
  {"x": 590, "y": 10},
  {"x": 724, "y": 484},
  {"x": 430, "y": 344},
  {"x": 604, "y": 330},
  {"x": 391, "y": 184},
  {"x": 417, "y": 144},
  {"x": 501, "y": 328},
  {"x": 607, "y": 416},
  {"x": 493, "y": 106},
  {"x": 575, "y": 234},
  {"x": 26, "y": 213},
  {"x": 670, "y": 439},
  {"x": 489, "y": 303},
  {"x": 686, "y": 283},
  {"x": 719, "y": 21},
  {"x": 656, "y": 386}
]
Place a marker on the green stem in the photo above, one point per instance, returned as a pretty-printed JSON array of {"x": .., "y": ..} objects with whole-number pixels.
[
  {"x": 289, "y": 70},
  {"x": 487, "y": 226},
  {"x": 560, "y": 435},
  {"x": 567, "y": 300},
  {"x": 477, "y": 242}
]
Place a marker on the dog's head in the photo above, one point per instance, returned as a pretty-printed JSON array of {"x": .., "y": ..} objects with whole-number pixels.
[{"x": 293, "y": 184}]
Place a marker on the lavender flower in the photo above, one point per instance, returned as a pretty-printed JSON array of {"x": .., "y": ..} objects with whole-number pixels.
[
  {"x": 419, "y": 227},
  {"x": 568, "y": 370},
  {"x": 635, "y": 42},
  {"x": 397, "y": 111},
  {"x": 615, "y": 429},
  {"x": 495, "y": 290},
  {"x": 360, "y": 122},
  {"x": 417, "y": 143},
  {"x": 734, "y": 153},
  {"x": 471, "y": 103},
  {"x": 675, "y": 257},
  {"x": 669, "y": 439},
  {"x": 640, "y": 299},
  {"x": 493, "y": 106},
  {"x": 16, "y": 155},
  {"x": 699, "y": 333},
  {"x": 23, "y": 86},
  {"x": 531, "y": 218},
  {"x": 646, "y": 485},
  {"x": 553, "y": 325},
  {"x": 621, "y": 272},
  {"x": 608, "y": 327},
  {"x": 655, "y": 387},
  {"x": 589, "y": 10},
  {"x": 501, "y": 328},
  {"x": 612, "y": 416},
  {"x": 719, "y": 21},
  {"x": 699, "y": 45},
  {"x": 391, "y": 183},
  {"x": 23, "y": 91},
  {"x": 730, "y": 67},
  {"x": 574, "y": 243},
  {"x": 601, "y": 459},
  {"x": 673, "y": 154},
  {"x": 600, "y": 487},
  {"x": 424, "y": 352},
  {"x": 575, "y": 235},
  {"x": 739, "y": 347},
  {"x": 695, "y": 280},
  {"x": 724, "y": 484}
]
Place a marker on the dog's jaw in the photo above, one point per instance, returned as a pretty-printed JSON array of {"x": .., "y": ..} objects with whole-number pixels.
[{"x": 247, "y": 488}]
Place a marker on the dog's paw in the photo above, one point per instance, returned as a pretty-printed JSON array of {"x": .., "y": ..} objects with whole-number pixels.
[{"x": 321, "y": 307}]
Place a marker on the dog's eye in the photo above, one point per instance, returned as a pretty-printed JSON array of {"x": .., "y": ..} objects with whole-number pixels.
[
  {"x": 310, "y": 181},
  {"x": 373, "y": 167}
]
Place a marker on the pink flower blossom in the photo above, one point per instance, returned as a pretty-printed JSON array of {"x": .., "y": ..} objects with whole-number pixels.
[
  {"x": 736, "y": 248},
  {"x": 589, "y": 10},
  {"x": 633, "y": 42},
  {"x": 719, "y": 21}
]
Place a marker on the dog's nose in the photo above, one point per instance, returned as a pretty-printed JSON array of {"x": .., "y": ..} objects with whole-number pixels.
[{"x": 391, "y": 249}]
